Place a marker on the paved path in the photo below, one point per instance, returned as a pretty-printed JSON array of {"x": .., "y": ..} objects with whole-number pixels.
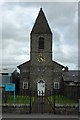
[
  {"x": 41, "y": 105},
  {"x": 40, "y": 117}
]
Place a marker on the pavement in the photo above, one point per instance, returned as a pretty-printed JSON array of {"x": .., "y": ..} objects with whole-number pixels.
[{"x": 39, "y": 117}]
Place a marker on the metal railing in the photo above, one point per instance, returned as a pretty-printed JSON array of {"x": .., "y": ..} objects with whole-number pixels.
[{"x": 40, "y": 102}]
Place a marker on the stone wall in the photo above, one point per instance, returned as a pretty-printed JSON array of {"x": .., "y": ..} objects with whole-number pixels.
[
  {"x": 16, "y": 108},
  {"x": 59, "y": 109},
  {"x": 67, "y": 109}
]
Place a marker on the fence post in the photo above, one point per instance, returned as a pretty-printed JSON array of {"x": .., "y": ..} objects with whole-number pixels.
[
  {"x": 50, "y": 95},
  {"x": 79, "y": 105},
  {"x": 42, "y": 101},
  {"x": 5, "y": 97},
  {"x": 30, "y": 101},
  {"x": 54, "y": 101}
]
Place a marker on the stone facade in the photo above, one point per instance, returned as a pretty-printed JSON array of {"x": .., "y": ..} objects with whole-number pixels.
[{"x": 40, "y": 67}]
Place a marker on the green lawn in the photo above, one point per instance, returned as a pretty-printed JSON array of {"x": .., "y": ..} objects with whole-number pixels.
[
  {"x": 19, "y": 99},
  {"x": 62, "y": 100},
  {"x": 59, "y": 99}
]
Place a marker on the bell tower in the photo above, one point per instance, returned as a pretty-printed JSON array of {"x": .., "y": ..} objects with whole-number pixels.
[{"x": 41, "y": 40}]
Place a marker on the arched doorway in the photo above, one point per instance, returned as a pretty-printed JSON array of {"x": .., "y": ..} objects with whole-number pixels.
[{"x": 41, "y": 87}]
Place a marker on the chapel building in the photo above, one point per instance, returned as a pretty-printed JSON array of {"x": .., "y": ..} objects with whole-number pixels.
[{"x": 41, "y": 73}]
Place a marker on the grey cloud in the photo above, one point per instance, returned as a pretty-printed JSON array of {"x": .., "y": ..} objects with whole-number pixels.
[
  {"x": 10, "y": 31},
  {"x": 56, "y": 37},
  {"x": 61, "y": 20}
]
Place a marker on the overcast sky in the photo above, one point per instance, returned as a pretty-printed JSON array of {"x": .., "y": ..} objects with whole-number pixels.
[{"x": 18, "y": 20}]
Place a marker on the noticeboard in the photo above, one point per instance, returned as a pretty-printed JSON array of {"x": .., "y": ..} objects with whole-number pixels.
[{"x": 10, "y": 87}]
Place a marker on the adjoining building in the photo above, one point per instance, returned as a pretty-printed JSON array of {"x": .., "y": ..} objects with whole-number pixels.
[
  {"x": 72, "y": 83},
  {"x": 7, "y": 75}
]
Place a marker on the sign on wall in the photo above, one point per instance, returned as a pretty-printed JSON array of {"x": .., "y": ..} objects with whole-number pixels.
[{"x": 10, "y": 87}]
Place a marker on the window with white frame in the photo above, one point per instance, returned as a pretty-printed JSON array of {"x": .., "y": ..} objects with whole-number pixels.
[
  {"x": 56, "y": 85},
  {"x": 25, "y": 85}
]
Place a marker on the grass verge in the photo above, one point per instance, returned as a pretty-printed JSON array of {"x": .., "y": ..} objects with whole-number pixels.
[
  {"x": 19, "y": 99},
  {"x": 60, "y": 99}
]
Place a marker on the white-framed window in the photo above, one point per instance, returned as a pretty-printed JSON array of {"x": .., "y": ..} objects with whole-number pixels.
[
  {"x": 25, "y": 85},
  {"x": 56, "y": 85}
]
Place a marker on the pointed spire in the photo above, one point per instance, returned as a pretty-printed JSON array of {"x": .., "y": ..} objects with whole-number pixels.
[
  {"x": 41, "y": 25},
  {"x": 40, "y": 9}
]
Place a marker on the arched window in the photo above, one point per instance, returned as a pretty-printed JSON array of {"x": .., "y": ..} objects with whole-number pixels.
[{"x": 41, "y": 43}]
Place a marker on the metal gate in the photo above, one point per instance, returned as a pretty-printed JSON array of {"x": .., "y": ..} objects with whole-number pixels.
[{"x": 42, "y": 103}]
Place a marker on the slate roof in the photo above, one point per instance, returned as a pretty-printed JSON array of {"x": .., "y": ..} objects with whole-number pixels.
[
  {"x": 41, "y": 25},
  {"x": 72, "y": 75},
  {"x": 28, "y": 62},
  {"x": 54, "y": 62},
  {"x": 7, "y": 70}
]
